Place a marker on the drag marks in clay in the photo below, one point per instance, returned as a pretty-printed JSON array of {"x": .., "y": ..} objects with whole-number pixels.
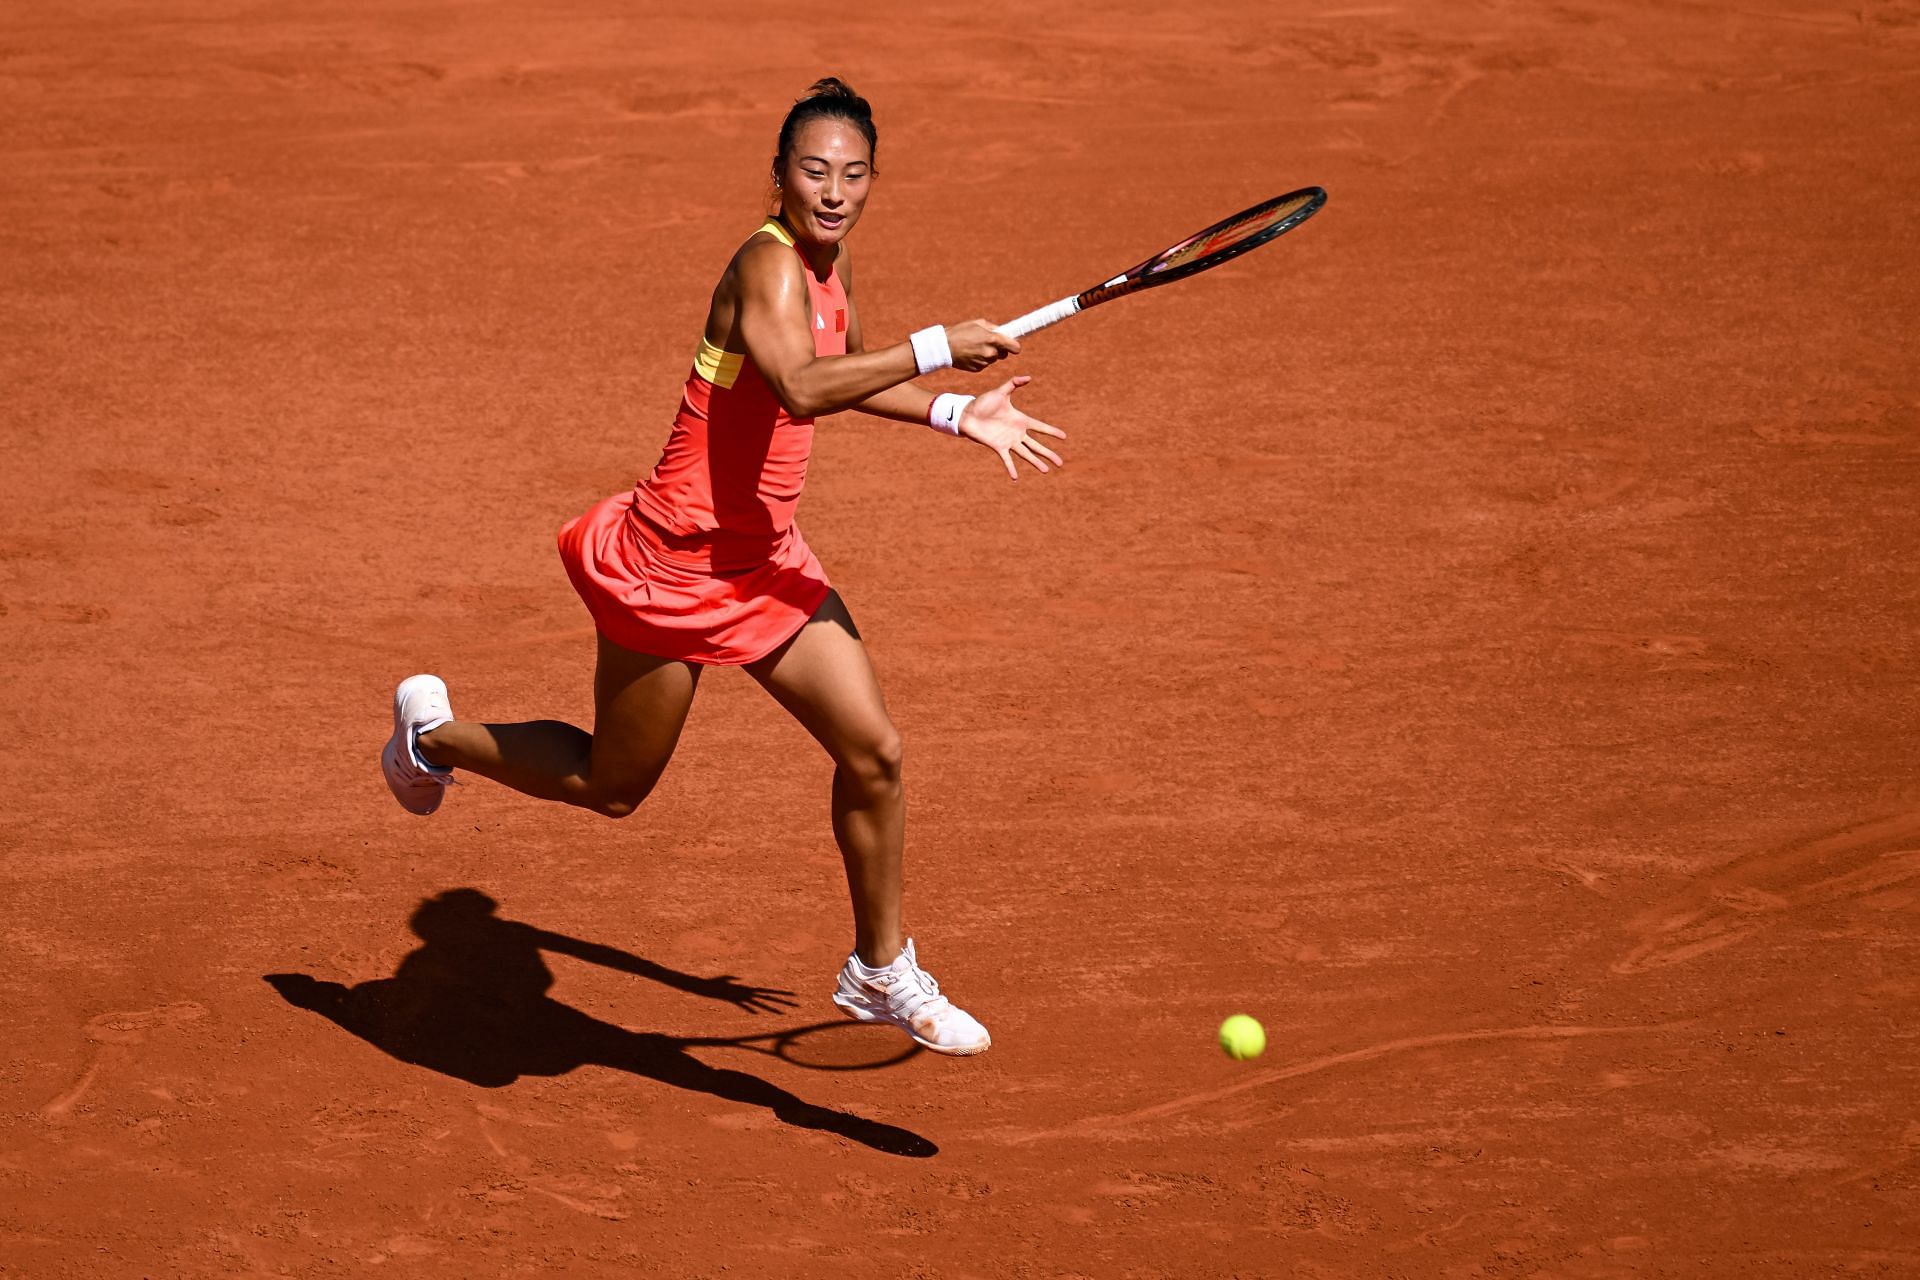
[
  {"x": 1859, "y": 863},
  {"x": 580, "y": 1193},
  {"x": 1880, "y": 422},
  {"x": 1274, "y": 1075},
  {"x": 176, "y": 510},
  {"x": 116, "y": 1034},
  {"x": 1662, "y": 652},
  {"x": 81, "y": 614}
]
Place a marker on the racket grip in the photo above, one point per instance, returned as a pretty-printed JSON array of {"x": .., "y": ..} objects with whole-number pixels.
[{"x": 1052, "y": 313}]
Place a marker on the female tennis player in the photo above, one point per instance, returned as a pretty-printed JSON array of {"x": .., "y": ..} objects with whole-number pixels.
[{"x": 702, "y": 565}]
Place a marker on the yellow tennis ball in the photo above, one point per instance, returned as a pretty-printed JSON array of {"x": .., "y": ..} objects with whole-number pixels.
[{"x": 1242, "y": 1037}]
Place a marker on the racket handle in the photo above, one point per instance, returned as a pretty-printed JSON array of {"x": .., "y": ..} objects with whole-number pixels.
[{"x": 1052, "y": 313}]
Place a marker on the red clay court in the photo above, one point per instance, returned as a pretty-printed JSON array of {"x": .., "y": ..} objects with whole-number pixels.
[{"x": 1474, "y": 635}]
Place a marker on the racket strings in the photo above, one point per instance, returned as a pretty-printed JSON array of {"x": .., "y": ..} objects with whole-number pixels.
[{"x": 1236, "y": 231}]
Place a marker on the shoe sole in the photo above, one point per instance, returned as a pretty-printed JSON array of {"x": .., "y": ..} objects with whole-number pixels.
[
  {"x": 391, "y": 752},
  {"x": 860, "y": 1013},
  {"x": 390, "y": 755}
]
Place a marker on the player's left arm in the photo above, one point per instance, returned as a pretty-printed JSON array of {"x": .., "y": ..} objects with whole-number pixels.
[{"x": 991, "y": 419}]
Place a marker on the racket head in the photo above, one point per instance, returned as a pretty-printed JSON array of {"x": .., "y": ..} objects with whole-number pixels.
[{"x": 1222, "y": 242}]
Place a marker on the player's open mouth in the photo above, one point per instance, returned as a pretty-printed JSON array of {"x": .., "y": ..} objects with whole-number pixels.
[{"x": 830, "y": 221}]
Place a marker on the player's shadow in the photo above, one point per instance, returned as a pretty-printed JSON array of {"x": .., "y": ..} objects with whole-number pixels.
[{"x": 471, "y": 1002}]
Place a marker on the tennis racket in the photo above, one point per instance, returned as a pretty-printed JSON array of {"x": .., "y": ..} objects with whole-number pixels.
[{"x": 1221, "y": 242}]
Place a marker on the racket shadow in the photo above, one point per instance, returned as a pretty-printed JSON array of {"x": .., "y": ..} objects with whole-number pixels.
[
  {"x": 471, "y": 1003},
  {"x": 823, "y": 1046}
]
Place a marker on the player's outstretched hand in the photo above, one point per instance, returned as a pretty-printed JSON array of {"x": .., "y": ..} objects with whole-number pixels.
[
  {"x": 745, "y": 995},
  {"x": 977, "y": 344},
  {"x": 993, "y": 421}
]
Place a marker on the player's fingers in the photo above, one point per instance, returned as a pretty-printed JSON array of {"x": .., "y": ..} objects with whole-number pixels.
[
  {"x": 1007, "y": 458},
  {"x": 1002, "y": 341},
  {"x": 1046, "y": 453},
  {"x": 1024, "y": 451},
  {"x": 1034, "y": 424}
]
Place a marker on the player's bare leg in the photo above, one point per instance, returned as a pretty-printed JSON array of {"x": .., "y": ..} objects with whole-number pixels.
[
  {"x": 824, "y": 678},
  {"x": 640, "y": 707}
]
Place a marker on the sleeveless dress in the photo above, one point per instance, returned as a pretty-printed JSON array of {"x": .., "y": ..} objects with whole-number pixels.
[{"x": 701, "y": 561}]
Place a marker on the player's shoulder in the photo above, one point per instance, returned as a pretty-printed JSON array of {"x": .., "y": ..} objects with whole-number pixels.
[
  {"x": 765, "y": 247},
  {"x": 765, "y": 260},
  {"x": 765, "y": 250}
]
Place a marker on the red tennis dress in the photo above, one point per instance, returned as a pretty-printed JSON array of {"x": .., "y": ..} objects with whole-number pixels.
[{"x": 701, "y": 561}]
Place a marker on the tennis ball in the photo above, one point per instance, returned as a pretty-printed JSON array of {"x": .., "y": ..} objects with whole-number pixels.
[{"x": 1242, "y": 1037}]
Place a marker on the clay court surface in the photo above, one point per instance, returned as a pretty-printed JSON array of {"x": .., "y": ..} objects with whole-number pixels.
[{"x": 1474, "y": 635}]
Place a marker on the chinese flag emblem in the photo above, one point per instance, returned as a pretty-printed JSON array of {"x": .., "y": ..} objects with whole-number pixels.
[{"x": 839, "y": 319}]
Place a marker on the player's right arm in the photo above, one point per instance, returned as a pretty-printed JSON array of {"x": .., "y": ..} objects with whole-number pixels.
[{"x": 774, "y": 320}]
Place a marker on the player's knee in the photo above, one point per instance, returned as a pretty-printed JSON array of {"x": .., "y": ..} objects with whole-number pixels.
[
  {"x": 878, "y": 764},
  {"x": 617, "y": 801}
]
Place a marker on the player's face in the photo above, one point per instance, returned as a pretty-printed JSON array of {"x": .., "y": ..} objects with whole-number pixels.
[{"x": 825, "y": 181}]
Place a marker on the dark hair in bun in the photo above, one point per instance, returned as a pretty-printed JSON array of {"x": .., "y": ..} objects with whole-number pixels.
[{"x": 828, "y": 99}]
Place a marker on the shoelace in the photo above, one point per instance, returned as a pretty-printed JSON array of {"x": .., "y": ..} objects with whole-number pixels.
[{"x": 914, "y": 991}]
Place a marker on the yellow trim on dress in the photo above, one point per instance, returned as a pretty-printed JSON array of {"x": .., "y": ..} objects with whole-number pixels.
[
  {"x": 715, "y": 364},
  {"x": 721, "y": 368}
]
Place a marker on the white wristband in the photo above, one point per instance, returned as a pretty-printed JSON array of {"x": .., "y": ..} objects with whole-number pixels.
[
  {"x": 944, "y": 417},
  {"x": 930, "y": 349}
]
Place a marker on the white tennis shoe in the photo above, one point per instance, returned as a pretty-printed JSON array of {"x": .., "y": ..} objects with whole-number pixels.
[
  {"x": 906, "y": 996},
  {"x": 419, "y": 704}
]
